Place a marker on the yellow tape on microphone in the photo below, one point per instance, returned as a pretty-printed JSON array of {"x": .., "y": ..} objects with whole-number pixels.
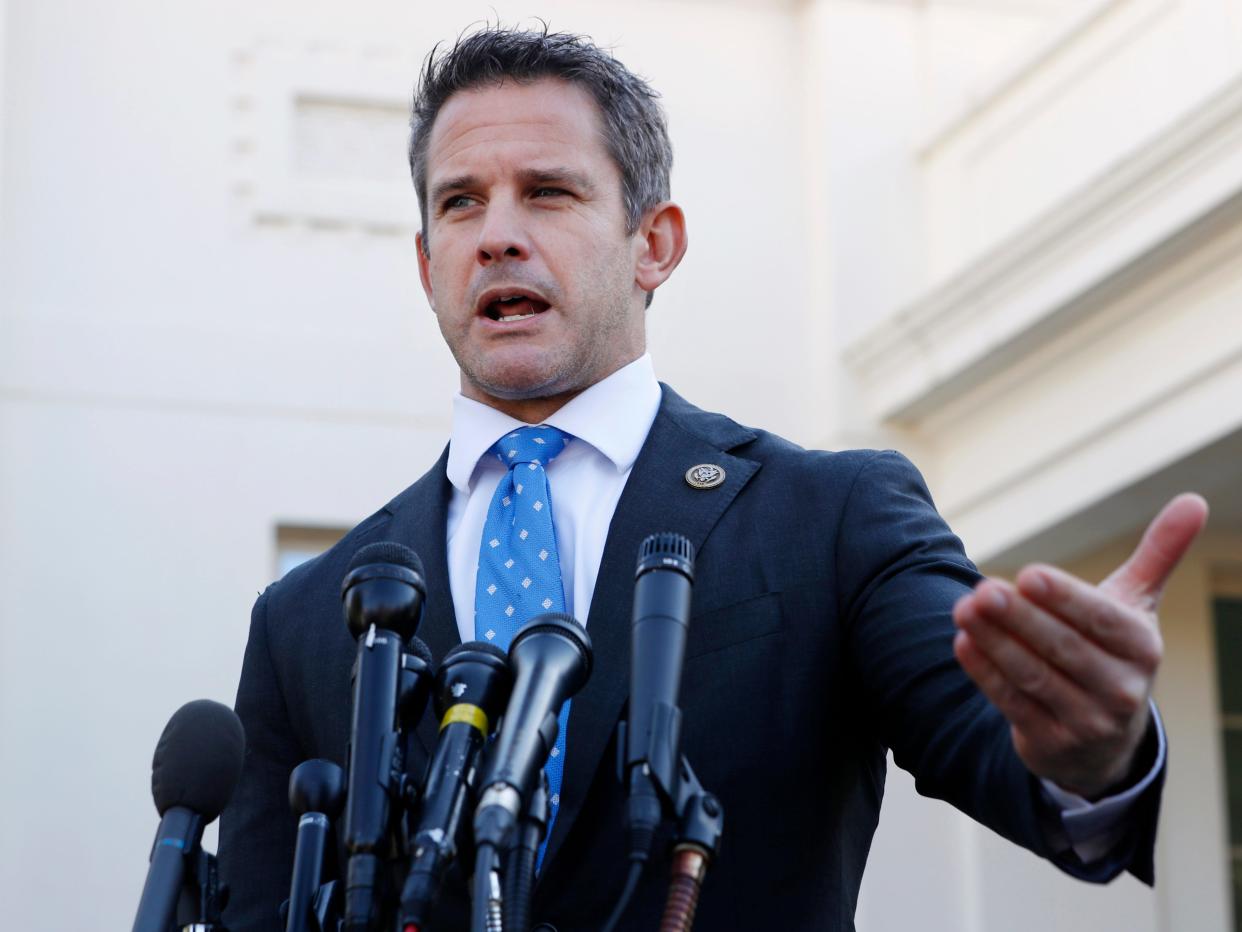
[{"x": 469, "y": 714}]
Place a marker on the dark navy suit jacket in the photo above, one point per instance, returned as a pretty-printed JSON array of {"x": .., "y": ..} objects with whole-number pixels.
[{"x": 821, "y": 637}]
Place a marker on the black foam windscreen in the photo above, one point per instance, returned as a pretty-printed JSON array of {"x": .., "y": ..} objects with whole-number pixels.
[
  {"x": 387, "y": 551},
  {"x": 198, "y": 759},
  {"x": 420, "y": 650},
  {"x": 482, "y": 646}
]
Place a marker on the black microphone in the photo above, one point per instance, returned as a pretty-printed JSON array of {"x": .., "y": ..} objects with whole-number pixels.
[
  {"x": 383, "y": 595},
  {"x": 471, "y": 688},
  {"x": 652, "y": 733},
  {"x": 197, "y": 763},
  {"x": 662, "y": 584},
  {"x": 316, "y": 793},
  {"x": 662, "y": 587},
  {"x": 551, "y": 660}
]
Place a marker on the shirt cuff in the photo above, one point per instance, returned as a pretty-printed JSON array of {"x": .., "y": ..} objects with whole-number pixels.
[{"x": 1091, "y": 829}]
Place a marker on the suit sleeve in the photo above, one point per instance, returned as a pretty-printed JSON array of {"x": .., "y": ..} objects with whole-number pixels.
[
  {"x": 257, "y": 830},
  {"x": 901, "y": 570}
]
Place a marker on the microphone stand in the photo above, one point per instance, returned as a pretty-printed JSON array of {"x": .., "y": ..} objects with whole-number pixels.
[
  {"x": 663, "y": 797},
  {"x": 366, "y": 886},
  {"x": 202, "y": 898},
  {"x": 324, "y": 913},
  {"x": 695, "y": 845}
]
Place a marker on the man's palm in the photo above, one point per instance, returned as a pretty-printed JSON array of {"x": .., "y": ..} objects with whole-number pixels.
[{"x": 1071, "y": 665}]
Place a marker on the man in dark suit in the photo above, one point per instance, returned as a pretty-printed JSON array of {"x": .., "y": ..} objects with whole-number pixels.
[{"x": 835, "y": 614}]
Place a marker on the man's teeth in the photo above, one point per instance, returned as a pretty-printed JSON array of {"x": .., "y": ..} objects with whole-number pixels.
[{"x": 510, "y": 317}]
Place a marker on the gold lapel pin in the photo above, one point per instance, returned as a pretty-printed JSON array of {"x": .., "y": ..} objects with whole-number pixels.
[{"x": 705, "y": 476}]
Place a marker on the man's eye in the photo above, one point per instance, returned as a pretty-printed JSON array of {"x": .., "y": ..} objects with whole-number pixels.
[
  {"x": 458, "y": 201},
  {"x": 551, "y": 192}
]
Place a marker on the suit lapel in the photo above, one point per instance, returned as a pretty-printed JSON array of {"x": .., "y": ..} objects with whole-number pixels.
[
  {"x": 656, "y": 498},
  {"x": 419, "y": 516}
]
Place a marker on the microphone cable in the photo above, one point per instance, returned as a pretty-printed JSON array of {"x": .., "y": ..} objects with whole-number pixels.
[
  {"x": 627, "y": 893},
  {"x": 485, "y": 904}
]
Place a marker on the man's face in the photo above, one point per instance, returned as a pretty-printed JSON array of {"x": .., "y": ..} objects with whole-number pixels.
[{"x": 530, "y": 271}]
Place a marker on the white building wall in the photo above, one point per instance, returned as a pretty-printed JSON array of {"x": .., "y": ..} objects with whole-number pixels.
[{"x": 211, "y": 326}]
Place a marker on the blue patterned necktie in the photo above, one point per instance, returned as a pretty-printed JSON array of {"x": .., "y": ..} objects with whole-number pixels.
[{"x": 519, "y": 573}]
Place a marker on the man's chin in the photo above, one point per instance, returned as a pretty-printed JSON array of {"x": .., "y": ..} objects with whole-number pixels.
[{"x": 515, "y": 384}]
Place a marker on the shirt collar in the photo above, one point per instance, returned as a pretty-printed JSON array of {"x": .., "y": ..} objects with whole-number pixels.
[{"x": 614, "y": 416}]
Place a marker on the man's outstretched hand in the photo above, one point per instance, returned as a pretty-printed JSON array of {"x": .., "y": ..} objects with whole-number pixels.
[{"x": 1071, "y": 665}]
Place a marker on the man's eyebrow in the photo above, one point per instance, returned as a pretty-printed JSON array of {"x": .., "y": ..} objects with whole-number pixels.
[{"x": 569, "y": 176}]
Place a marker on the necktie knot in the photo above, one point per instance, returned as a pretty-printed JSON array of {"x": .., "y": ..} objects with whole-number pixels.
[{"x": 532, "y": 445}]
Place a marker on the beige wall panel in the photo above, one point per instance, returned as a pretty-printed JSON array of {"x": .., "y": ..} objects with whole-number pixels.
[{"x": 1067, "y": 115}]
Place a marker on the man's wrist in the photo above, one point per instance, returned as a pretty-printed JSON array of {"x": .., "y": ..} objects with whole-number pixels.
[
  {"x": 1093, "y": 828},
  {"x": 1141, "y": 761}
]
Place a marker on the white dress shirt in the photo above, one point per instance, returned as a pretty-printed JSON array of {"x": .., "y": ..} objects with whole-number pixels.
[{"x": 609, "y": 423}]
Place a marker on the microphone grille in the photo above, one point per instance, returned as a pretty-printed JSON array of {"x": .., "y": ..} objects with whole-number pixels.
[
  {"x": 666, "y": 550},
  {"x": 387, "y": 551},
  {"x": 561, "y": 624}
]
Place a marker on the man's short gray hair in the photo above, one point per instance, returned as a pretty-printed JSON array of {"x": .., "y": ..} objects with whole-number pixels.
[{"x": 635, "y": 130}]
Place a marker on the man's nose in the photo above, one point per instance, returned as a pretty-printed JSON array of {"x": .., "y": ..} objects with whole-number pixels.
[{"x": 503, "y": 235}]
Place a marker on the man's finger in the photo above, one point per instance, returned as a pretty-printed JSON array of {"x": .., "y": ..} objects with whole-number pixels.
[
  {"x": 1141, "y": 578},
  {"x": 1029, "y": 674},
  {"x": 1114, "y": 681},
  {"x": 1122, "y": 630},
  {"x": 1021, "y": 711}
]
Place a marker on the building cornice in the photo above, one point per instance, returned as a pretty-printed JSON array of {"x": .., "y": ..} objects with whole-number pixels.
[{"x": 1132, "y": 221}]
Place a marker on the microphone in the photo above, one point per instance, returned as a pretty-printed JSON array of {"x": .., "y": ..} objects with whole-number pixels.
[
  {"x": 662, "y": 586},
  {"x": 551, "y": 660},
  {"x": 382, "y": 594},
  {"x": 651, "y": 736},
  {"x": 471, "y": 688},
  {"x": 316, "y": 792},
  {"x": 197, "y": 763}
]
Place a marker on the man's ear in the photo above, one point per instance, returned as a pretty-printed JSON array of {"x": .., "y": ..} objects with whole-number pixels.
[
  {"x": 424, "y": 267},
  {"x": 661, "y": 242}
]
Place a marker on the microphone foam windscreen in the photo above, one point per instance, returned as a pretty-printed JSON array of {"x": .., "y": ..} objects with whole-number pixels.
[
  {"x": 387, "y": 551},
  {"x": 198, "y": 759},
  {"x": 481, "y": 646},
  {"x": 420, "y": 650}
]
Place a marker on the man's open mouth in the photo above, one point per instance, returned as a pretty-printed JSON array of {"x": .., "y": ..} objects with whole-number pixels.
[{"x": 513, "y": 306}]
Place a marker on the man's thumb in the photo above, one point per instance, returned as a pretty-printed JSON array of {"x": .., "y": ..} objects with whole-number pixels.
[{"x": 1164, "y": 543}]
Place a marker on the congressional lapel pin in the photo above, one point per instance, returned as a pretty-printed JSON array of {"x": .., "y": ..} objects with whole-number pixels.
[{"x": 705, "y": 476}]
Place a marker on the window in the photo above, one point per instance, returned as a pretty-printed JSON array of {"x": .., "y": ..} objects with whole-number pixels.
[
  {"x": 296, "y": 545},
  {"x": 1228, "y": 612}
]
